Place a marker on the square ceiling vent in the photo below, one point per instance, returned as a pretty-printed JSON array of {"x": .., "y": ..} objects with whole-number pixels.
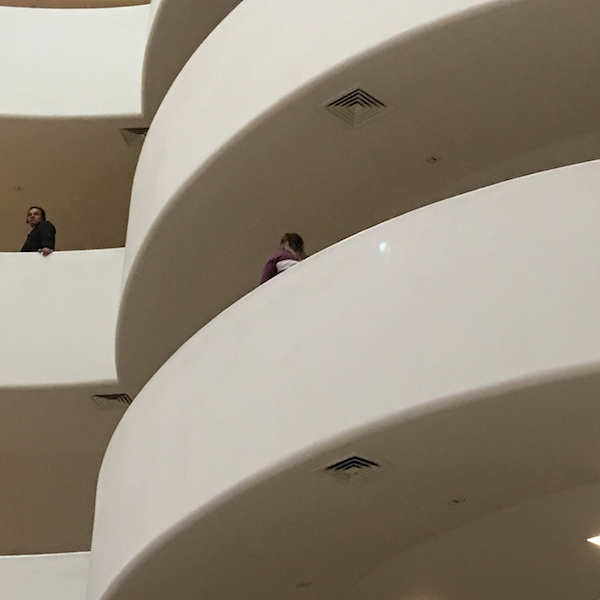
[
  {"x": 351, "y": 468},
  {"x": 355, "y": 107},
  {"x": 112, "y": 400}
]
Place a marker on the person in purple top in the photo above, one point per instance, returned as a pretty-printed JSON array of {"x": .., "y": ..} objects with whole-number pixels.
[{"x": 291, "y": 251}]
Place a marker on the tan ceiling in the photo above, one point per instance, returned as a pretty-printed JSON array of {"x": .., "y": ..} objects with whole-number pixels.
[
  {"x": 535, "y": 550},
  {"x": 52, "y": 442},
  {"x": 71, "y": 3}
]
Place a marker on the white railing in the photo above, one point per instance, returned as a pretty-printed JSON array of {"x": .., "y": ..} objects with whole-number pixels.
[
  {"x": 58, "y": 317},
  {"x": 434, "y": 344}
]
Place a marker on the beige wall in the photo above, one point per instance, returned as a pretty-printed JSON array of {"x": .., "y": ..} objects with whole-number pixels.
[
  {"x": 58, "y": 317},
  {"x": 44, "y": 576}
]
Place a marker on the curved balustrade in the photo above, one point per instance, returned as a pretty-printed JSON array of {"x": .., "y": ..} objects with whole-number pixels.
[
  {"x": 58, "y": 319},
  {"x": 456, "y": 347},
  {"x": 177, "y": 28},
  {"x": 243, "y": 148},
  {"x": 48, "y": 576},
  {"x": 83, "y": 63},
  {"x": 72, "y": 63}
]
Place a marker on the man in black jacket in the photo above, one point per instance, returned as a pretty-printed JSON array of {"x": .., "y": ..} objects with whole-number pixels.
[{"x": 42, "y": 235}]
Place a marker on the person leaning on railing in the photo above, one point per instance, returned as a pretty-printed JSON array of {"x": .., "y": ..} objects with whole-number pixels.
[
  {"x": 42, "y": 236},
  {"x": 291, "y": 252}
]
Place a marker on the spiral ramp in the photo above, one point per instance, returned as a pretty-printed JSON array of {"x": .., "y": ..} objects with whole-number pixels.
[
  {"x": 450, "y": 354},
  {"x": 410, "y": 414},
  {"x": 246, "y": 145}
]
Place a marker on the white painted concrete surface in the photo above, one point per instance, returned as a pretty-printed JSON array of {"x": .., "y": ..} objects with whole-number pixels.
[
  {"x": 243, "y": 149},
  {"x": 177, "y": 28},
  {"x": 44, "y": 576},
  {"x": 70, "y": 63},
  {"x": 235, "y": 77},
  {"x": 58, "y": 317},
  {"x": 492, "y": 288},
  {"x": 154, "y": 4}
]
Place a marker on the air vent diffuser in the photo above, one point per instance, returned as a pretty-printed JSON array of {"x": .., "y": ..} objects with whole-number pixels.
[
  {"x": 355, "y": 107},
  {"x": 112, "y": 400},
  {"x": 351, "y": 468},
  {"x": 134, "y": 136}
]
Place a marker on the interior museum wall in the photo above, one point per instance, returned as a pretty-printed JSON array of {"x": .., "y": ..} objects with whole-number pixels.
[
  {"x": 235, "y": 77},
  {"x": 47, "y": 576},
  {"x": 77, "y": 62},
  {"x": 58, "y": 317},
  {"x": 460, "y": 296}
]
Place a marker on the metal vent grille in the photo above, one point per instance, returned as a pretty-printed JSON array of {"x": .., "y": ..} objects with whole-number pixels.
[
  {"x": 355, "y": 107},
  {"x": 350, "y": 468},
  {"x": 112, "y": 400},
  {"x": 134, "y": 136}
]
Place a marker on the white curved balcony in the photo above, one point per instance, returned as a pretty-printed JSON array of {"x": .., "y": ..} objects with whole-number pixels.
[
  {"x": 72, "y": 63},
  {"x": 177, "y": 28},
  {"x": 243, "y": 148},
  {"x": 48, "y": 576},
  {"x": 456, "y": 347},
  {"x": 90, "y": 63},
  {"x": 77, "y": 77},
  {"x": 70, "y": 4},
  {"x": 58, "y": 319},
  {"x": 73, "y": 79}
]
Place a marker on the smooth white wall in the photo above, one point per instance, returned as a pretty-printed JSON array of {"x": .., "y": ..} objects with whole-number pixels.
[
  {"x": 495, "y": 286},
  {"x": 58, "y": 317},
  {"x": 154, "y": 4},
  {"x": 76, "y": 62},
  {"x": 252, "y": 61},
  {"x": 177, "y": 28},
  {"x": 44, "y": 576}
]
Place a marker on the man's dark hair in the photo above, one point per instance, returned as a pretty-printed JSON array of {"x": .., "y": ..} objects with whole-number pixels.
[
  {"x": 294, "y": 241},
  {"x": 41, "y": 210}
]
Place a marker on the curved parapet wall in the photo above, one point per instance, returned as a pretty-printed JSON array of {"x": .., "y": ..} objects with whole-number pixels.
[
  {"x": 72, "y": 63},
  {"x": 58, "y": 320},
  {"x": 177, "y": 28},
  {"x": 47, "y": 576},
  {"x": 244, "y": 149},
  {"x": 58, "y": 317},
  {"x": 456, "y": 347}
]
